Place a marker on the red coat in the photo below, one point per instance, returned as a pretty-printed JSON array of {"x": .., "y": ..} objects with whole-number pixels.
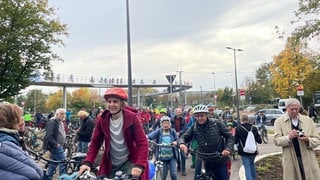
[{"x": 134, "y": 136}]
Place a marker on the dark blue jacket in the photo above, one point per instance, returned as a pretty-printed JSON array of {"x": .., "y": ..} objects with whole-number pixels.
[
  {"x": 86, "y": 130},
  {"x": 14, "y": 162}
]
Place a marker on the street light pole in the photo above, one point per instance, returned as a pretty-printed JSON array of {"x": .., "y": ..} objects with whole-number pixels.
[
  {"x": 129, "y": 56},
  {"x": 236, "y": 80},
  {"x": 214, "y": 81},
  {"x": 214, "y": 88}
]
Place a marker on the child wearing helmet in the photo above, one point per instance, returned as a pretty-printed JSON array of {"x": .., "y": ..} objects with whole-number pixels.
[
  {"x": 167, "y": 154},
  {"x": 118, "y": 127}
]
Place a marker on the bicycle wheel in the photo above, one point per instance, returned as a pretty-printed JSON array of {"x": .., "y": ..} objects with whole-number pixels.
[
  {"x": 235, "y": 155},
  {"x": 37, "y": 145},
  {"x": 159, "y": 173},
  {"x": 264, "y": 136}
]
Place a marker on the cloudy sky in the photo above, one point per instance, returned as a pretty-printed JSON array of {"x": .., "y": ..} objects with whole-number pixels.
[{"x": 172, "y": 35}]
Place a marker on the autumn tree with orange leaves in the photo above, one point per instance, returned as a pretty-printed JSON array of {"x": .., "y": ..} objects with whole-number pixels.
[{"x": 291, "y": 68}]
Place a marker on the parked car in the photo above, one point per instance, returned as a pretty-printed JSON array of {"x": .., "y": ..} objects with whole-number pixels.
[{"x": 271, "y": 115}]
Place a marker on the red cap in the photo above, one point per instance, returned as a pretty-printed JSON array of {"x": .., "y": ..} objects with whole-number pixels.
[{"x": 116, "y": 92}]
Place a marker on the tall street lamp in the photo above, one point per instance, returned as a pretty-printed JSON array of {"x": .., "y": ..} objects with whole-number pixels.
[
  {"x": 214, "y": 81},
  {"x": 129, "y": 56},
  {"x": 236, "y": 80},
  {"x": 214, "y": 88}
]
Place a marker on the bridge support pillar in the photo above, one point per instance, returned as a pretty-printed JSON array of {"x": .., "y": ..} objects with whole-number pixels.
[{"x": 65, "y": 97}]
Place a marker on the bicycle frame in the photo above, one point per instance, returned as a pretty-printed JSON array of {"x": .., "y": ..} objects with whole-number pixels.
[
  {"x": 205, "y": 174},
  {"x": 71, "y": 164}
]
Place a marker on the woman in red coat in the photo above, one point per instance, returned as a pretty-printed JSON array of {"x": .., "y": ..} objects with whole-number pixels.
[{"x": 126, "y": 146}]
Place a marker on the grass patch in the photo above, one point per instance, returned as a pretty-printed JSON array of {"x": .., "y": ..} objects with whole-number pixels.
[{"x": 271, "y": 168}]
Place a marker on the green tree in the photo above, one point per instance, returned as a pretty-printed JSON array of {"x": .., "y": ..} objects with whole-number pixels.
[
  {"x": 35, "y": 101},
  {"x": 307, "y": 13},
  {"x": 28, "y": 31},
  {"x": 261, "y": 90},
  {"x": 225, "y": 97}
]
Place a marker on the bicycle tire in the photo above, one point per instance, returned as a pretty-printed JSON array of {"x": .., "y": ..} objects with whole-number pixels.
[
  {"x": 264, "y": 136},
  {"x": 235, "y": 155},
  {"x": 37, "y": 145},
  {"x": 159, "y": 173}
]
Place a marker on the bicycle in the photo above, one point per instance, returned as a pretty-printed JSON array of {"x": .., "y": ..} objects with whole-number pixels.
[
  {"x": 235, "y": 154},
  {"x": 70, "y": 145},
  {"x": 206, "y": 173},
  {"x": 33, "y": 140},
  {"x": 71, "y": 165},
  {"x": 263, "y": 133}
]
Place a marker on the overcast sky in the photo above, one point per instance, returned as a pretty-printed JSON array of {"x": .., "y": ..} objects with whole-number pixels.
[{"x": 172, "y": 35}]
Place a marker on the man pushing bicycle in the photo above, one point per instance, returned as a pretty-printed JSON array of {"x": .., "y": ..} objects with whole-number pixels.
[{"x": 213, "y": 137}]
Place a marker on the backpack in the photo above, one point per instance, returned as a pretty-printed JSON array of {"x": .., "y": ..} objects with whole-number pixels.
[{"x": 250, "y": 145}]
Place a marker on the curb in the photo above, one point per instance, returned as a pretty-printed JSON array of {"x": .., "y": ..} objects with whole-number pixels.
[{"x": 242, "y": 175}]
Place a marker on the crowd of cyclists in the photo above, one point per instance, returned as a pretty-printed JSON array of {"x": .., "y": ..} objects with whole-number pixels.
[{"x": 180, "y": 120}]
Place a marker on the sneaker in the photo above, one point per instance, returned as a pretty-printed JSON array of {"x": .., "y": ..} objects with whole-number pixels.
[
  {"x": 192, "y": 166},
  {"x": 183, "y": 173}
]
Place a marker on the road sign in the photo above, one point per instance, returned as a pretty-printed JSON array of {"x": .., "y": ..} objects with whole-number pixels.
[
  {"x": 300, "y": 91},
  {"x": 170, "y": 78},
  {"x": 242, "y": 92}
]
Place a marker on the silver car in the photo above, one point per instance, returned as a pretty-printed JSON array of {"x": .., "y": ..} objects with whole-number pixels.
[{"x": 271, "y": 116}]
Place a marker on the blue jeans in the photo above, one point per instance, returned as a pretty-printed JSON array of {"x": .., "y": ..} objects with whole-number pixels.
[
  {"x": 220, "y": 173},
  {"x": 171, "y": 164},
  {"x": 57, "y": 154},
  {"x": 249, "y": 167},
  {"x": 82, "y": 147}
]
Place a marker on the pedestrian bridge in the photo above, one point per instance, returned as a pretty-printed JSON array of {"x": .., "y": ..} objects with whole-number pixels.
[{"x": 64, "y": 80}]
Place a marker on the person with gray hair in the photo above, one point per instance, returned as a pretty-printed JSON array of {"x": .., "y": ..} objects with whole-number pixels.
[
  {"x": 54, "y": 140},
  {"x": 298, "y": 136}
]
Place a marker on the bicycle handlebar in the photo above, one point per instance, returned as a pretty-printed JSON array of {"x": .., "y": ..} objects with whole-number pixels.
[
  {"x": 162, "y": 144},
  {"x": 213, "y": 154},
  {"x": 118, "y": 176},
  {"x": 50, "y": 161}
]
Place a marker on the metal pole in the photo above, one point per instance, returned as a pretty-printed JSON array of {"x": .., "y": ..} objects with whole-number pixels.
[
  {"x": 129, "y": 57},
  {"x": 180, "y": 84},
  {"x": 214, "y": 88},
  {"x": 171, "y": 81},
  {"x": 236, "y": 81}
]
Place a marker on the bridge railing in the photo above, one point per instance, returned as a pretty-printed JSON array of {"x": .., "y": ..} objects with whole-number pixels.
[{"x": 70, "y": 78}]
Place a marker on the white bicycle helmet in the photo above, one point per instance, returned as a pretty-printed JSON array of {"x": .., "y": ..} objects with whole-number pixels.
[
  {"x": 200, "y": 109},
  {"x": 165, "y": 118}
]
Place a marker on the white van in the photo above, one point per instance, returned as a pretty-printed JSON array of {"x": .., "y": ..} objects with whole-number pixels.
[{"x": 282, "y": 104}]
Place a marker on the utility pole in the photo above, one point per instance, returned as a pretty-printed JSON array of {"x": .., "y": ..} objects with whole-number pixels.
[{"x": 180, "y": 84}]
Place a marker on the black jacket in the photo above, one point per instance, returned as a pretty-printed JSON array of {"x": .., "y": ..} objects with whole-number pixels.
[
  {"x": 212, "y": 136},
  {"x": 241, "y": 135},
  {"x": 86, "y": 129},
  {"x": 51, "y": 135}
]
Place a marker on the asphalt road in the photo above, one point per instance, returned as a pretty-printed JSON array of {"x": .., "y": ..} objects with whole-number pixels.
[{"x": 236, "y": 164}]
